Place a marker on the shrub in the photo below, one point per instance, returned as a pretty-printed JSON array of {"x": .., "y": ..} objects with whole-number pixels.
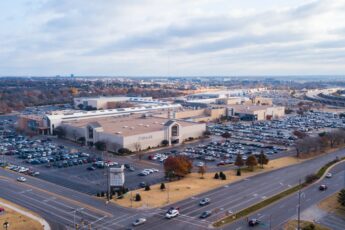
[
  {"x": 311, "y": 178},
  {"x": 102, "y": 194},
  {"x": 98, "y": 195},
  {"x": 137, "y": 197},
  {"x": 124, "y": 151},
  {"x": 162, "y": 186},
  {"x": 309, "y": 227},
  {"x": 216, "y": 176},
  {"x": 147, "y": 188},
  {"x": 238, "y": 173},
  {"x": 223, "y": 177},
  {"x": 165, "y": 142}
]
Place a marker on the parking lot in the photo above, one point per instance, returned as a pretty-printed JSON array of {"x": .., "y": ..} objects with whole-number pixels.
[
  {"x": 68, "y": 165},
  {"x": 280, "y": 131}
]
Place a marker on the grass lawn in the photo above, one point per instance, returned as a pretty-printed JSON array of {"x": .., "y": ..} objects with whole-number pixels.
[
  {"x": 18, "y": 221},
  {"x": 292, "y": 225},
  {"x": 192, "y": 185},
  {"x": 331, "y": 204}
]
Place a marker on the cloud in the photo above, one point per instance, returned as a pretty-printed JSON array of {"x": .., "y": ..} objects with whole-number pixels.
[{"x": 153, "y": 37}]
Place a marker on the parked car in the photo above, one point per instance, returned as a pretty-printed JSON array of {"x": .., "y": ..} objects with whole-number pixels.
[
  {"x": 139, "y": 221},
  {"x": 91, "y": 168},
  {"x": 329, "y": 175}
]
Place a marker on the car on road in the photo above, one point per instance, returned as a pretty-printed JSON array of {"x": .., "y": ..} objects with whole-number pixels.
[
  {"x": 204, "y": 201},
  {"x": 21, "y": 179},
  {"x": 142, "y": 184},
  {"x": 205, "y": 214},
  {"x": 171, "y": 213},
  {"x": 329, "y": 175},
  {"x": 253, "y": 222},
  {"x": 139, "y": 221},
  {"x": 323, "y": 187}
]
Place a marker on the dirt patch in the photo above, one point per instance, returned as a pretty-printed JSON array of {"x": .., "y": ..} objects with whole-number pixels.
[
  {"x": 193, "y": 185},
  {"x": 331, "y": 204},
  {"x": 18, "y": 221},
  {"x": 292, "y": 225}
]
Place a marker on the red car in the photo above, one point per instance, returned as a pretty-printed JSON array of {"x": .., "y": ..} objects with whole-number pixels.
[{"x": 221, "y": 163}]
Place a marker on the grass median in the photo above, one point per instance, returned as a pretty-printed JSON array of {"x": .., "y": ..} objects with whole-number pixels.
[{"x": 271, "y": 200}]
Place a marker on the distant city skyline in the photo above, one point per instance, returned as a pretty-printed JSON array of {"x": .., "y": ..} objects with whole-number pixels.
[{"x": 172, "y": 38}]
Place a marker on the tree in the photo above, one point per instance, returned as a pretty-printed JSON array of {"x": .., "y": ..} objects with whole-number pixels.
[
  {"x": 226, "y": 135},
  {"x": 216, "y": 176},
  {"x": 299, "y": 134},
  {"x": 101, "y": 145},
  {"x": 341, "y": 197},
  {"x": 81, "y": 140},
  {"x": 147, "y": 188},
  {"x": 177, "y": 166},
  {"x": 202, "y": 171},
  {"x": 207, "y": 133},
  {"x": 310, "y": 226},
  {"x": 60, "y": 132},
  {"x": 262, "y": 159},
  {"x": 162, "y": 186},
  {"x": 137, "y": 197},
  {"x": 238, "y": 173},
  {"x": 165, "y": 142},
  {"x": 251, "y": 162},
  {"x": 239, "y": 162}
]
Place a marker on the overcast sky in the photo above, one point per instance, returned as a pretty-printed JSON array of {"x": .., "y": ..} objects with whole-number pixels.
[{"x": 172, "y": 37}]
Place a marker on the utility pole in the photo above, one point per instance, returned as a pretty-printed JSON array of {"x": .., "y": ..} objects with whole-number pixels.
[
  {"x": 168, "y": 193},
  {"x": 299, "y": 207}
]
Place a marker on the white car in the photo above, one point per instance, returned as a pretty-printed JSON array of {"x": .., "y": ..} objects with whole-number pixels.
[
  {"x": 155, "y": 170},
  {"x": 21, "y": 179},
  {"x": 172, "y": 213},
  {"x": 139, "y": 221},
  {"x": 329, "y": 175}
]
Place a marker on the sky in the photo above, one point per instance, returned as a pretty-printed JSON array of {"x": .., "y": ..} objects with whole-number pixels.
[{"x": 172, "y": 37}]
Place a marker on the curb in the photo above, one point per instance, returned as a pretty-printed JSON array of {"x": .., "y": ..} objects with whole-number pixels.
[{"x": 42, "y": 221}]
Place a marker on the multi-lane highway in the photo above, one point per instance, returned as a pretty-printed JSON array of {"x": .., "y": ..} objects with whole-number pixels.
[
  {"x": 239, "y": 195},
  {"x": 62, "y": 207},
  {"x": 275, "y": 215}
]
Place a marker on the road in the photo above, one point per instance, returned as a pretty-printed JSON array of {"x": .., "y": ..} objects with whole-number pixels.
[
  {"x": 62, "y": 207},
  {"x": 286, "y": 208},
  {"x": 57, "y": 204},
  {"x": 237, "y": 196}
]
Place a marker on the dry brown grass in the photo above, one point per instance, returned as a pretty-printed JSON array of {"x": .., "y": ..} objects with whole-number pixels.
[
  {"x": 18, "y": 221},
  {"x": 292, "y": 225},
  {"x": 331, "y": 204},
  {"x": 192, "y": 185}
]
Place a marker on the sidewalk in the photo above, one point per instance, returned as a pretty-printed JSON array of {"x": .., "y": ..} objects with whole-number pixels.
[{"x": 43, "y": 222}]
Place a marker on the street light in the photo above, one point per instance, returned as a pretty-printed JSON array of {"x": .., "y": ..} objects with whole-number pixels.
[
  {"x": 6, "y": 225},
  {"x": 74, "y": 212}
]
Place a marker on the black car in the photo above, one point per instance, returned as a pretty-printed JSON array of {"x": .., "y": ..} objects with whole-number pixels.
[
  {"x": 142, "y": 184},
  {"x": 91, "y": 168},
  {"x": 253, "y": 222},
  {"x": 205, "y": 214},
  {"x": 323, "y": 187}
]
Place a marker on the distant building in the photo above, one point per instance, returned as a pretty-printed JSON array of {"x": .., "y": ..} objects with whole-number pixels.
[
  {"x": 32, "y": 124},
  {"x": 99, "y": 103},
  {"x": 256, "y": 112}
]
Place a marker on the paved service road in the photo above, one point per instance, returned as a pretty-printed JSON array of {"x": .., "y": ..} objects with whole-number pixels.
[
  {"x": 277, "y": 214},
  {"x": 237, "y": 196}
]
